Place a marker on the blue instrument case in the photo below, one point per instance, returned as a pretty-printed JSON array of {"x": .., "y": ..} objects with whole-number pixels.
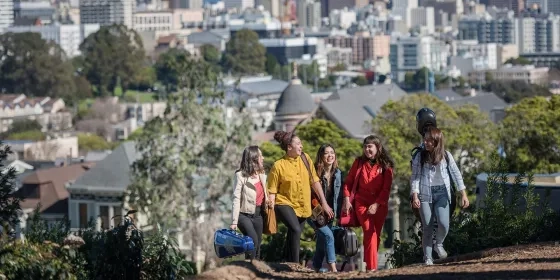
[{"x": 229, "y": 243}]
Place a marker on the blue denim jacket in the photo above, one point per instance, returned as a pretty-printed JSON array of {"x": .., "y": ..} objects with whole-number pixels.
[
  {"x": 337, "y": 191},
  {"x": 421, "y": 174}
]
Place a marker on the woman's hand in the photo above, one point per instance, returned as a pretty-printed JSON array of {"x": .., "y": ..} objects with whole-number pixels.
[
  {"x": 327, "y": 209},
  {"x": 415, "y": 201},
  {"x": 372, "y": 209},
  {"x": 346, "y": 206},
  {"x": 271, "y": 201},
  {"x": 465, "y": 201},
  {"x": 233, "y": 227}
]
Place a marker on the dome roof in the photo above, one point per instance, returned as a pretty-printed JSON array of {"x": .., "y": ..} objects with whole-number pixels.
[{"x": 295, "y": 99}]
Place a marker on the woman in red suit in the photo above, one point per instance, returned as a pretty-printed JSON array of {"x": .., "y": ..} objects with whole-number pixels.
[{"x": 373, "y": 175}]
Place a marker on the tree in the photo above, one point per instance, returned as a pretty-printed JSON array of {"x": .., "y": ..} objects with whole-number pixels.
[
  {"x": 175, "y": 66},
  {"x": 244, "y": 54},
  {"x": 92, "y": 142},
  {"x": 271, "y": 64},
  {"x": 188, "y": 158},
  {"x": 319, "y": 132},
  {"x": 469, "y": 134},
  {"x": 530, "y": 134},
  {"x": 210, "y": 54},
  {"x": 112, "y": 54},
  {"x": 145, "y": 78},
  {"x": 24, "y": 125},
  {"x": 9, "y": 205},
  {"x": 33, "y": 66},
  {"x": 514, "y": 91}
]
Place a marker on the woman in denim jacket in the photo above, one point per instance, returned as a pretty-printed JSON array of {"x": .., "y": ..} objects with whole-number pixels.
[
  {"x": 431, "y": 190},
  {"x": 331, "y": 181}
]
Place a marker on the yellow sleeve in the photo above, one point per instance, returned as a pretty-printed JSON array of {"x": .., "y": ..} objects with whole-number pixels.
[
  {"x": 272, "y": 180},
  {"x": 315, "y": 178}
]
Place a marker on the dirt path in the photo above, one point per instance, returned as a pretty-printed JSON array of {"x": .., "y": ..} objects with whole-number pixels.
[{"x": 535, "y": 261}]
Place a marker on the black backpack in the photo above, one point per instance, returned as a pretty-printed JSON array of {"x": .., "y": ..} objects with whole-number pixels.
[{"x": 453, "y": 203}]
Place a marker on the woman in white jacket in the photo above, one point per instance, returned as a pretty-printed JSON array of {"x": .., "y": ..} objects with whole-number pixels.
[{"x": 249, "y": 197}]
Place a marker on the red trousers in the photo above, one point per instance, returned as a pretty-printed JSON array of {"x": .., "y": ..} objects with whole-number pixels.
[{"x": 371, "y": 226}]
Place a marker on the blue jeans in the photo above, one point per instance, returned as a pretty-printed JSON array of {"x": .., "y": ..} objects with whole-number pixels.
[
  {"x": 324, "y": 245},
  {"x": 438, "y": 207}
]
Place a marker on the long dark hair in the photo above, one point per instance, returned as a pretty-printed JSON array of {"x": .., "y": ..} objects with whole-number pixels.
[
  {"x": 438, "y": 153},
  {"x": 382, "y": 157},
  {"x": 250, "y": 162},
  {"x": 319, "y": 164}
]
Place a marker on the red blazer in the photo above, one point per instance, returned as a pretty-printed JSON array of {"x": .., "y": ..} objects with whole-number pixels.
[{"x": 379, "y": 181}]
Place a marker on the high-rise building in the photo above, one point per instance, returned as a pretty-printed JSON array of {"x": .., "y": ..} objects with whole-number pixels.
[
  {"x": 107, "y": 12},
  {"x": 6, "y": 13},
  {"x": 186, "y": 4}
]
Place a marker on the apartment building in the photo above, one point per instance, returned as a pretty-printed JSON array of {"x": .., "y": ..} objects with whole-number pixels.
[
  {"x": 107, "y": 12},
  {"x": 527, "y": 73},
  {"x": 409, "y": 54},
  {"x": 486, "y": 52},
  {"x": 364, "y": 47},
  {"x": 488, "y": 29},
  {"x": 539, "y": 33},
  {"x": 67, "y": 36},
  {"x": 50, "y": 113},
  {"x": 6, "y": 13}
]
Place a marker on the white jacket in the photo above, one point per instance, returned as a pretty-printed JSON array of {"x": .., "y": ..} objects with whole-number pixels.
[{"x": 245, "y": 195}]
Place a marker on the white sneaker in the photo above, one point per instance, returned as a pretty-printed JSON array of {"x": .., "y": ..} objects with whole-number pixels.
[
  {"x": 429, "y": 262},
  {"x": 440, "y": 251}
]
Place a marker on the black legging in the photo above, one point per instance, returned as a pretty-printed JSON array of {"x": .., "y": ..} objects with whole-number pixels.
[
  {"x": 295, "y": 226},
  {"x": 252, "y": 226}
]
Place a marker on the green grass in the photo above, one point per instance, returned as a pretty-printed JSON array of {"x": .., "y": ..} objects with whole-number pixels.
[{"x": 129, "y": 96}]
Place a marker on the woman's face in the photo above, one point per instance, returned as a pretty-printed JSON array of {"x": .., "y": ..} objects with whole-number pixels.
[
  {"x": 260, "y": 160},
  {"x": 429, "y": 144},
  {"x": 296, "y": 146},
  {"x": 329, "y": 156},
  {"x": 370, "y": 151}
]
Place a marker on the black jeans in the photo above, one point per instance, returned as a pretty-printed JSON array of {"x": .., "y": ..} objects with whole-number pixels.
[
  {"x": 252, "y": 226},
  {"x": 295, "y": 226}
]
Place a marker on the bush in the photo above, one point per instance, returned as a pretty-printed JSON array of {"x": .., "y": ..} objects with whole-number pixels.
[
  {"x": 503, "y": 221},
  {"x": 120, "y": 253}
]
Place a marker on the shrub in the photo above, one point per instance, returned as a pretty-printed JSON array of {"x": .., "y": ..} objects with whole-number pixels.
[{"x": 503, "y": 221}]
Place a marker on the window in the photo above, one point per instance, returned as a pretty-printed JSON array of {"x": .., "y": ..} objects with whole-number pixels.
[
  {"x": 83, "y": 219},
  {"x": 104, "y": 214},
  {"x": 31, "y": 191},
  {"x": 117, "y": 212}
]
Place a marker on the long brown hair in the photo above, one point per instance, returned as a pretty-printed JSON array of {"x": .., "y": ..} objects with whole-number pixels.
[
  {"x": 250, "y": 162},
  {"x": 382, "y": 157},
  {"x": 438, "y": 152},
  {"x": 320, "y": 164}
]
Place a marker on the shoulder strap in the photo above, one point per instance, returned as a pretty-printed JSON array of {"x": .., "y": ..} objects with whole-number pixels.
[{"x": 304, "y": 159}]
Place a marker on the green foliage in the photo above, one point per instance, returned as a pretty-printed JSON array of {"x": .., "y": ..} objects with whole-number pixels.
[
  {"x": 177, "y": 70},
  {"x": 119, "y": 253},
  {"x": 319, "y": 132},
  {"x": 508, "y": 217},
  {"x": 529, "y": 133},
  {"x": 212, "y": 56},
  {"x": 360, "y": 81},
  {"x": 30, "y": 261},
  {"x": 39, "y": 230},
  {"x": 32, "y": 135},
  {"x": 518, "y": 61},
  {"x": 515, "y": 91},
  {"x": 145, "y": 78},
  {"x": 469, "y": 135},
  {"x": 112, "y": 55},
  {"x": 244, "y": 54},
  {"x": 271, "y": 64},
  {"x": 24, "y": 125},
  {"x": 271, "y": 153},
  {"x": 92, "y": 142},
  {"x": 34, "y": 66},
  {"x": 9, "y": 205}
]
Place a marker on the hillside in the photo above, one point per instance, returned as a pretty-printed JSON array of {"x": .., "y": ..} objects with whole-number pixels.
[{"x": 533, "y": 261}]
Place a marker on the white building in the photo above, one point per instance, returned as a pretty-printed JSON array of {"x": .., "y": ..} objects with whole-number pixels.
[
  {"x": 539, "y": 34},
  {"x": 424, "y": 19},
  {"x": 6, "y": 13},
  {"x": 403, "y": 9},
  {"x": 107, "y": 12},
  {"x": 342, "y": 18},
  {"x": 488, "y": 53},
  {"x": 409, "y": 54},
  {"x": 67, "y": 36},
  {"x": 308, "y": 13},
  {"x": 240, "y": 5}
]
